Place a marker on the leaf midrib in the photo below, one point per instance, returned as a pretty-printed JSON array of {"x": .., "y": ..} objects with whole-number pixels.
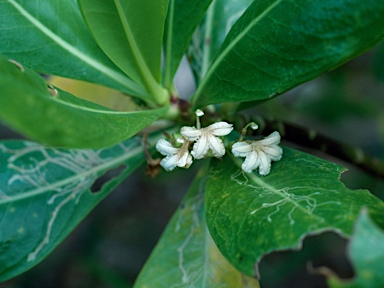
[
  {"x": 207, "y": 247},
  {"x": 231, "y": 46},
  {"x": 169, "y": 51},
  {"x": 208, "y": 35},
  {"x": 145, "y": 74},
  {"x": 111, "y": 112},
  {"x": 105, "y": 166},
  {"x": 124, "y": 81}
]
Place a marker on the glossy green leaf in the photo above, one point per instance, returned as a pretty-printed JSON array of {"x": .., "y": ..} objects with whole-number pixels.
[
  {"x": 249, "y": 215},
  {"x": 131, "y": 34},
  {"x": 52, "y": 38},
  {"x": 210, "y": 35},
  {"x": 186, "y": 256},
  {"x": 182, "y": 20},
  {"x": 366, "y": 251},
  {"x": 46, "y": 192},
  {"x": 63, "y": 120},
  {"x": 277, "y": 45}
]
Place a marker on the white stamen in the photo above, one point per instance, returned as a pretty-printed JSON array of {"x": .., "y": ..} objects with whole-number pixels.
[{"x": 199, "y": 113}]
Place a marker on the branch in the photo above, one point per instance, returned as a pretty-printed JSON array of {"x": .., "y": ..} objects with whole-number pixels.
[{"x": 309, "y": 138}]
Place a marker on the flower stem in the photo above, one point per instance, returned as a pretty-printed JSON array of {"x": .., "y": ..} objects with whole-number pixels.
[
  {"x": 199, "y": 113},
  {"x": 253, "y": 125}
]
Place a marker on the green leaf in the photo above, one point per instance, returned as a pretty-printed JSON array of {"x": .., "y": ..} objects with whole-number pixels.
[
  {"x": 210, "y": 35},
  {"x": 277, "y": 45},
  {"x": 131, "y": 34},
  {"x": 182, "y": 20},
  {"x": 52, "y": 38},
  {"x": 186, "y": 256},
  {"x": 366, "y": 251},
  {"x": 249, "y": 215},
  {"x": 63, "y": 120},
  {"x": 46, "y": 192}
]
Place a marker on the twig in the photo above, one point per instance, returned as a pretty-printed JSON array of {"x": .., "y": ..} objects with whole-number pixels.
[{"x": 309, "y": 138}]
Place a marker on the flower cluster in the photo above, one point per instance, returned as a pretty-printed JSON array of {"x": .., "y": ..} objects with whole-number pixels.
[
  {"x": 259, "y": 154},
  {"x": 179, "y": 157},
  {"x": 206, "y": 142}
]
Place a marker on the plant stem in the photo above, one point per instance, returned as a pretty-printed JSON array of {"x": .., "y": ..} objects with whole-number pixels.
[{"x": 309, "y": 138}]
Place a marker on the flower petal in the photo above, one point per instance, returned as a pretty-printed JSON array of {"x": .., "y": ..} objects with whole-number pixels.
[
  {"x": 169, "y": 162},
  {"x": 251, "y": 162},
  {"x": 200, "y": 148},
  {"x": 216, "y": 146},
  {"x": 265, "y": 164},
  {"x": 188, "y": 161},
  {"x": 259, "y": 154},
  {"x": 241, "y": 149},
  {"x": 272, "y": 139},
  {"x": 220, "y": 128},
  {"x": 190, "y": 133},
  {"x": 165, "y": 148},
  {"x": 273, "y": 151},
  {"x": 183, "y": 158}
]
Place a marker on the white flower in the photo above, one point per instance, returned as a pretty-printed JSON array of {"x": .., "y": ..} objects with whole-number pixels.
[
  {"x": 259, "y": 154},
  {"x": 207, "y": 139},
  {"x": 179, "y": 157}
]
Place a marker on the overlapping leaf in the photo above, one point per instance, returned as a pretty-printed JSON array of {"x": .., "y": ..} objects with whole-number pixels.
[
  {"x": 131, "y": 34},
  {"x": 277, "y": 45},
  {"x": 210, "y": 35},
  {"x": 182, "y": 19},
  {"x": 186, "y": 255},
  {"x": 249, "y": 215},
  {"x": 366, "y": 251},
  {"x": 63, "y": 120},
  {"x": 46, "y": 192},
  {"x": 34, "y": 33}
]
